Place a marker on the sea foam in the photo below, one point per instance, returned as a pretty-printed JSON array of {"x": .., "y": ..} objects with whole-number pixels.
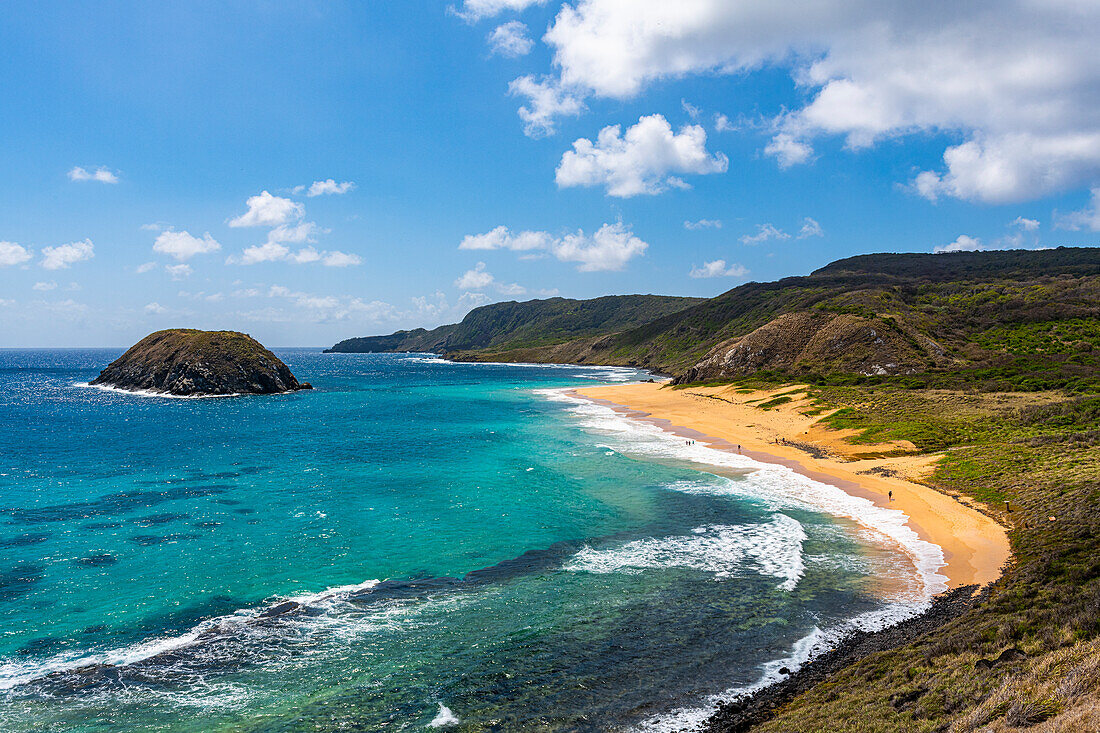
[
  {"x": 777, "y": 487},
  {"x": 773, "y": 549}
]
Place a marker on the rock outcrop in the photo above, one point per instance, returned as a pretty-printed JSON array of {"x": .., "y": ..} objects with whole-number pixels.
[
  {"x": 189, "y": 362},
  {"x": 822, "y": 343}
]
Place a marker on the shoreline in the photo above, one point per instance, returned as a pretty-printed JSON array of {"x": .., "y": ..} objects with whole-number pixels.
[{"x": 974, "y": 546}]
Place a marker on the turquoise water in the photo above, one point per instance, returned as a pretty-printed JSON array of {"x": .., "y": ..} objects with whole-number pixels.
[{"x": 465, "y": 546}]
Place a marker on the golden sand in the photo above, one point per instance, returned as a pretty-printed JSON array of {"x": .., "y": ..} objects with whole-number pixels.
[{"x": 975, "y": 546}]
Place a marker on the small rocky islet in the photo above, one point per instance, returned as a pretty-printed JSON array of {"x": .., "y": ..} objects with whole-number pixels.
[{"x": 187, "y": 362}]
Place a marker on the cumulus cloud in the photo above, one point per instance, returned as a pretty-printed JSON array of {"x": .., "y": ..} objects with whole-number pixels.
[
  {"x": 154, "y": 308},
  {"x": 183, "y": 246},
  {"x": 145, "y": 267},
  {"x": 64, "y": 255},
  {"x": 787, "y": 150},
  {"x": 321, "y": 308},
  {"x": 99, "y": 175},
  {"x": 1018, "y": 81},
  {"x": 703, "y": 224},
  {"x": 340, "y": 259},
  {"x": 547, "y": 100},
  {"x": 13, "y": 254},
  {"x": 266, "y": 252},
  {"x": 329, "y": 187},
  {"x": 718, "y": 268},
  {"x": 501, "y": 238},
  {"x": 44, "y": 286},
  {"x": 178, "y": 272},
  {"x": 475, "y": 279},
  {"x": 265, "y": 210},
  {"x": 764, "y": 232},
  {"x": 510, "y": 40},
  {"x": 1086, "y": 218},
  {"x": 474, "y": 10},
  {"x": 609, "y": 248},
  {"x": 962, "y": 243},
  {"x": 1028, "y": 225},
  {"x": 810, "y": 228},
  {"x": 641, "y": 161}
]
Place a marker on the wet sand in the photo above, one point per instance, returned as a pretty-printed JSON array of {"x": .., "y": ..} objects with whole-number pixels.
[{"x": 975, "y": 546}]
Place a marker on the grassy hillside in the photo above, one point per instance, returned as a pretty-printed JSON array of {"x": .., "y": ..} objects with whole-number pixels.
[
  {"x": 1040, "y": 452},
  {"x": 533, "y": 324},
  {"x": 1000, "y": 320}
]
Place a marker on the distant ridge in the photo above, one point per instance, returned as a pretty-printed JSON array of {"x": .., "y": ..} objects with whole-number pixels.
[
  {"x": 1021, "y": 319},
  {"x": 531, "y": 324}
]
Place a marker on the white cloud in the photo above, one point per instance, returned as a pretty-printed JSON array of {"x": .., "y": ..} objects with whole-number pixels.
[
  {"x": 703, "y": 224},
  {"x": 294, "y": 234},
  {"x": 475, "y": 279},
  {"x": 44, "y": 286},
  {"x": 99, "y": 175},
  {"x": 501, "y": 238},
  {"x": 13, "y": 254},
  {"x": 183, "y": 246},
  {"x": 329, "y": 186},
  {"x": 640, "y": 161},
  {"x": 691, "y": 109},
  {"x": 764, "y": 232},
  {"x": 1086, "y": 218},
  {"x": 341, "y": 259},
  {"x": 1028, "y": 225},
  {"x": 510, "y": 39},
  {"x": 810, "y": 228},
  {"x": 155, "y": 308},
  {"x": 718, "y": 268},
  {"x": 6, "y": 302},
  {"x": 178, "y": 272},
  {"x": 1017, "y": 81},
  {"x": 511, "y": 289},
  {"x": 546, "y": 101},
  {"x": 64, "y": 255},
  {"x": 474, "y": 10},
  {"x": 322, "y": 308},
  {"x": 265, "y": 210},
  {"x": 609, "y": 248},
  {"x": 266, "y": 252},
  {"x": 723, "y": 124},
  {"x": 788, "y": 150},
  {"x": 304, "y": 256},
  {"x": 145, "y": 267},
  {"x": 962, "y": 243}
]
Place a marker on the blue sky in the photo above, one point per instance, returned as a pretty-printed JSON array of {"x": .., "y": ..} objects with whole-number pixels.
[{"x": 139, "y": 140}]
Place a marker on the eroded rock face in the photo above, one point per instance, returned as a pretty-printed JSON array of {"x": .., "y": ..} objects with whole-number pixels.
[
  {"x": 189, "y": 362},
  {"x": 819, "y": 342}
]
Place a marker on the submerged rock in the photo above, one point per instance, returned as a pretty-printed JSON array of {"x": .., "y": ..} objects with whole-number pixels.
[{"x": 191, "y": 363}]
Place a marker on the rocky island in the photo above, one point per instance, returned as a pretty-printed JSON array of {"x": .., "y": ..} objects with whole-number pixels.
[{"x": 191, "y": 363}]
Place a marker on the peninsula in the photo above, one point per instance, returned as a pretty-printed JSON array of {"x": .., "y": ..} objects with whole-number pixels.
[{"x": 187, "y": 362}]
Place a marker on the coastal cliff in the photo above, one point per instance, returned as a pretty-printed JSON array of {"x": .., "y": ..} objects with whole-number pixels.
[{"x": 188, "y": 362}]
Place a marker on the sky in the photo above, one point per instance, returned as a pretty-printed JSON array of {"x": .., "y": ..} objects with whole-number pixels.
[{"x": 308, "y": 172}]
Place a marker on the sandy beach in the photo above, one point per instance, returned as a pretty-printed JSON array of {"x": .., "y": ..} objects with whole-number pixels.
[{"x": 975, "y": 546}]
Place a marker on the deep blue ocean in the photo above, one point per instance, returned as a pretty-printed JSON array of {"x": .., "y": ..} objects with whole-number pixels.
[{"x": 466, "y": 548}]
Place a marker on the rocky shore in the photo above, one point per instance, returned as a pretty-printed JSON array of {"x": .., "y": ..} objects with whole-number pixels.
[
  {"x": 193, "y": 363},
  {"x": 741, "y": 715}
]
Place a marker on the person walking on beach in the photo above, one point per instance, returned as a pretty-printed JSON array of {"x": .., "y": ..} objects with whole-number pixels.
[{"x": 890, "y": 494}]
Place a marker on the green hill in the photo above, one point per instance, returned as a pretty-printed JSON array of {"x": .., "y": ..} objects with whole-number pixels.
[
  {"x": 533, "y": 324},
  {"x": 1012, "y": 319}
]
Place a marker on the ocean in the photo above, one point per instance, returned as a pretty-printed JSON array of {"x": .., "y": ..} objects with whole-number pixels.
[{"x": 415, "y": 544}]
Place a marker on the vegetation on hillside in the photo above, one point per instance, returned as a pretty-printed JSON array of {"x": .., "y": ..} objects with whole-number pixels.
[
  {"x": 1040, "y": 452},
  {"x": 532, "y": 324}
]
